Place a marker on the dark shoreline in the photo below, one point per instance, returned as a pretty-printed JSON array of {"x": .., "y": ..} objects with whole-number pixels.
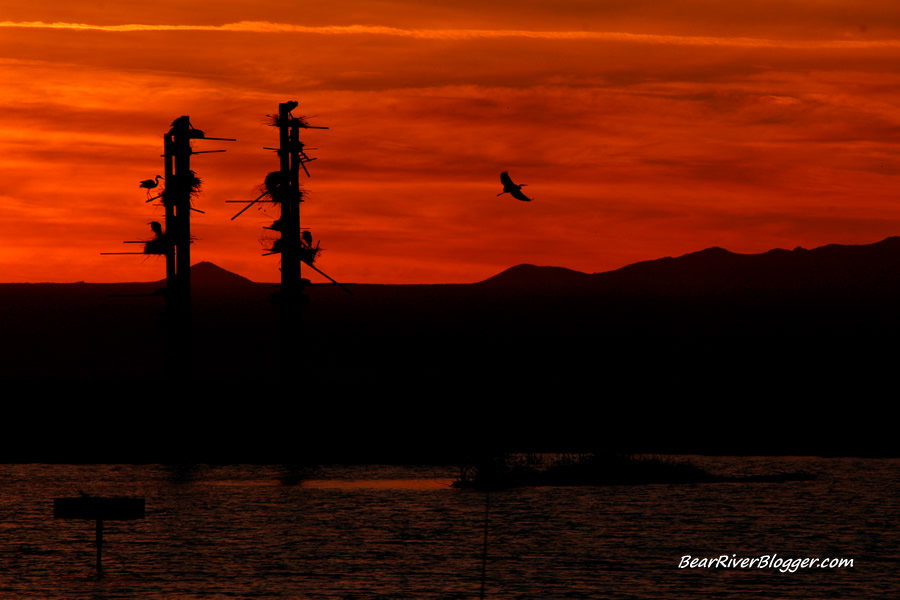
[{"x": 711, "y": 353}]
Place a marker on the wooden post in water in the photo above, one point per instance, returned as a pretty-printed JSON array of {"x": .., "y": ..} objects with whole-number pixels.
[
  {"x": 292, "y": 157},
  {"x": 99, "y": 509},
  {"x": 169, "y": 205},
  {"x": 291, "y": 276},
  {"x": 181, "y": 185},
  {"x": 184, "y": 186},
  {"x": 177, "y": 200},
  {"x": 282, "y": 187}
]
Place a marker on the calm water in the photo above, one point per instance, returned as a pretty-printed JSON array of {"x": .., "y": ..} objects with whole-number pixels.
[{"x": 388, "y": 532}]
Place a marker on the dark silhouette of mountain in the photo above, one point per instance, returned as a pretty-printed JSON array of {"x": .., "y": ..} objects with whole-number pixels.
[
  {"x": 209, "y": 275},
  {"x": 831, "y": 290},
  {"x": 531, "y": 276},
  {"x": 833, "y": 267}
]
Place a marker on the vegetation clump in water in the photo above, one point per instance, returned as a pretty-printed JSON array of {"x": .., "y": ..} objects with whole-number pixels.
[{"x": 507, "y": 470}]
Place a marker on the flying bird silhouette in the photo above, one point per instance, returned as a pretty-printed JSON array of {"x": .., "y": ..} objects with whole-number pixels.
[{"x": 512, "y": 189}]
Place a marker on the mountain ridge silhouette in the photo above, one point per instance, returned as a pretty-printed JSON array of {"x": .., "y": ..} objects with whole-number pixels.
[
  {"x": 854, "y": 262},
  {"x": 718, "y": 268}
]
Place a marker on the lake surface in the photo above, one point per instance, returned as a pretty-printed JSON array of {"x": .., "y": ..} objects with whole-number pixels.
[{"x": 384, "y": 532}]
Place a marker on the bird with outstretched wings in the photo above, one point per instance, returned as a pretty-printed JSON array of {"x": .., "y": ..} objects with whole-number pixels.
[{"x": 512, "y": 189}]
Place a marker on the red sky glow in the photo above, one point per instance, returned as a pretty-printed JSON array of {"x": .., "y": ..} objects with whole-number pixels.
[{"x": 643, "y": 129}]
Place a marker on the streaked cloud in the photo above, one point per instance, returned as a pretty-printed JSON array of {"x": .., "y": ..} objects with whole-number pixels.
[{"x": 470, "y": 34}]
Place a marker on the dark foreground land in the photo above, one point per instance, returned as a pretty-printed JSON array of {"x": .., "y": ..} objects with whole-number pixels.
[{"x": 788, "y": 352}]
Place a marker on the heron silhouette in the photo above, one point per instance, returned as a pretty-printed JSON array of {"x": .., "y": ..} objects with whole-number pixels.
[
  {"x": 512, "y": 189},
  {"x": 149, "y": 184}
]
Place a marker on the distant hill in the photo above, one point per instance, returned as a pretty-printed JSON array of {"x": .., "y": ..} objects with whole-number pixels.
[
  {"x": 533, "y": 276},
  {"x": 833, "y": 267},
  {"x": 207, "y": 275},
  {"x": 851, "y": 269}
]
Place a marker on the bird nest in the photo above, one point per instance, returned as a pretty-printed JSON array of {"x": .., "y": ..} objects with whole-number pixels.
[
  {"x": 156, "y": 246},
  {"x": 275, "y": 121},
  {"x": 195, "y": 185},
  {"x": 275, "y": 185}
]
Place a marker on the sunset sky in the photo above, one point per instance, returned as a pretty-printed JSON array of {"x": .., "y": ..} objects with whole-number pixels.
[{"x": 643, "y": 128}]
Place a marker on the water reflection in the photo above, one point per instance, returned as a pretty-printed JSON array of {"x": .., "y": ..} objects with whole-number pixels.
[
  {"x": 395, "y": 532},
  {"x": 382, "y": 484}
]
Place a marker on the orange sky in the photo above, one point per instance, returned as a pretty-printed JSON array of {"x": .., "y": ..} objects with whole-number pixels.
[{"x": 642, "y": 128}]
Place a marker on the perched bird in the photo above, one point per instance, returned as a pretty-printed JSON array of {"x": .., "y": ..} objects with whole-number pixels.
[
  {"x": 157, "y": 228},
  {"x": 150, "y": 183},
  {"x": 184, "y": 121},
  {"x": 307, "y": 237},
  {"x": 512, "y": 189}
]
